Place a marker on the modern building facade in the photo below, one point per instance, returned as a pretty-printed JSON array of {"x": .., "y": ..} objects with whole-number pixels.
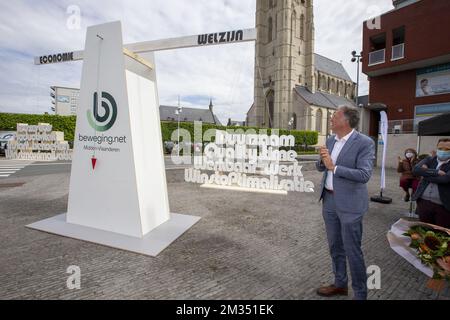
[
  {"x": 407, "y": 61},
  {"x": 294, "y": 88},
  {"x": 65, "y": 100}
]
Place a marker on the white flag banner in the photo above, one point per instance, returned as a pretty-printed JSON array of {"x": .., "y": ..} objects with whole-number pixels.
[{"x": 383, "y": 131}]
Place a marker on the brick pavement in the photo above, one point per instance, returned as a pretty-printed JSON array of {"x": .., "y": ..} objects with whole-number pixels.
[{"x": 246, "y": 246}]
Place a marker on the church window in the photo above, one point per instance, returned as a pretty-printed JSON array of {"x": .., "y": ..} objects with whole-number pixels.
[
  {"x": 302, "y": 27},
  {"x": 269, "y": 32},
  {"x": 275, "y": 26},
  {"x": 319, "y": 120},
  {"x": 294, "y": 24},
  {"x": 271, "y": 106}
]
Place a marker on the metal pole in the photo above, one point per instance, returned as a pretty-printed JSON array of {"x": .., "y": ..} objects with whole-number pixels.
[
  {"x": 357, "y": 84},
  {"x": 361, "y": 112},
  {"x": 178, "y": 111}
]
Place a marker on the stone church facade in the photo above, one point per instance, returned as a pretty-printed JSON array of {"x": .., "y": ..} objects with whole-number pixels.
[{"x": 294, "y": 88}]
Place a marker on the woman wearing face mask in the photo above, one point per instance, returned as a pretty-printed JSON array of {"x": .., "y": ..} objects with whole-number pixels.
[
  {"x": 405, "y": 167},
  {"x": 433, "y": 192}
]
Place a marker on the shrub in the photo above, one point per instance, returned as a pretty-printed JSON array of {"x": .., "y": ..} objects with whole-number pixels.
[
  {"x": 8, "y": 121},
  {"x": 66, "y": 124}
]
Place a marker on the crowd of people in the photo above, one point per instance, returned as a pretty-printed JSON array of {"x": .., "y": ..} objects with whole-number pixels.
[
  {"x": 346, "y": 161},
  {"x": 429, "y": 182}
]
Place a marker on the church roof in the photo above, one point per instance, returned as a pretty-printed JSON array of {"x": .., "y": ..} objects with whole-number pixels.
[
  {"x": 322, "y": 99},
  {"x": 167, "y": 113},
  {"x": 331, "y": 67}
]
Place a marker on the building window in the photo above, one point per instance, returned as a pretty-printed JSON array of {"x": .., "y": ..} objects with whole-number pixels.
[
  {"x": 307, "y": 116},
  {"x": 275, "y": 26},
  {"x": 302, "y": 27},
  {"x": 398, "y": 36},
  {"x": 270, "y": 29},
  {"x": 398, "y": 43},
  {"x": 377, "y": 49},
  {"x": 271, "y": 107},
  {"x": 294, "y": 24},
  {"x": 294, "y": 124},
  {"x": 319, "y": 120}
]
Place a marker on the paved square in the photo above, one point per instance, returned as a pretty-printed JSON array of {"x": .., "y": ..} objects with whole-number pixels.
[{"x": 246, "y": 246}]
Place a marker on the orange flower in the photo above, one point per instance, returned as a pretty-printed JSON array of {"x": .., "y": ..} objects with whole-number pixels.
[
  {"x": 415, "y": 236},
  {"x": 423, "y": 248},
  {"x": 444, "y": 263}
]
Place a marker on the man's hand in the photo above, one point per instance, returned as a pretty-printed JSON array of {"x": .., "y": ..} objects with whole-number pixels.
[
  {"x": 323, "y": 152},
  {"x": 400, "y": 159},
  {"x": 328, "y": 162},
  {"x": 441, "y": 173},
  {"x": 424, "y": 166},
  {"x": 326, "y": 158}
]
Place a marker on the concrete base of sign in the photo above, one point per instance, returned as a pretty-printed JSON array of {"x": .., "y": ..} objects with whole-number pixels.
[
  {"x": 237, "y": 188},
  {"x": 151, "y": 244}
]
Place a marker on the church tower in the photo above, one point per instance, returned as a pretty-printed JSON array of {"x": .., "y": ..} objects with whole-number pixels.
[{"x": 284, "y": 57}]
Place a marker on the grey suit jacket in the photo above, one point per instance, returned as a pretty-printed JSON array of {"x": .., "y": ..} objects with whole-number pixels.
[
  {"x": 354, "y": 169},
  {"x": 431, "y": 175}
]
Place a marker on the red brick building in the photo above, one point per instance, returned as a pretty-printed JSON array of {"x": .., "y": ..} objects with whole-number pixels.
[{"x": 407, "y": 61}]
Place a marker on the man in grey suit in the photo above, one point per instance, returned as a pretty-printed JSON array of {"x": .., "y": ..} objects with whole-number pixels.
[{"x": 347, "y": 163}]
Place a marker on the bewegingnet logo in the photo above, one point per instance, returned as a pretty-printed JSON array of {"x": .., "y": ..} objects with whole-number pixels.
[{"x": 106, "y": 121}]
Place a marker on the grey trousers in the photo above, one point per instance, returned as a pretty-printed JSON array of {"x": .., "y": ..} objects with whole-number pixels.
[{"x": 344, "y": 233}]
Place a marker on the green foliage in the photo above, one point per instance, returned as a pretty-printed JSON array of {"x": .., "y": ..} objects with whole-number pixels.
[
  {"x": 8, "y": 121},
  {"x": 301, "y": 137},
  {"x": 432, "y": 248}
]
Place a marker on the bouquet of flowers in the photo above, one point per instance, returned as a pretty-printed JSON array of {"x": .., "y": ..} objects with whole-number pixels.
[
  {"x": 426, "y": 246},
  {"x": 433, "y": 249}
]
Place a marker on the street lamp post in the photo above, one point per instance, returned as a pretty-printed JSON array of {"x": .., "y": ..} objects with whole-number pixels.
[
  {"x": 178, "y": 112},
  {"x": 357, "y": 58},
  {"x": 290, "y": 123}
]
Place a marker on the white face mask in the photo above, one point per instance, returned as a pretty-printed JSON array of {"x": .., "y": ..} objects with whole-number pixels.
[{"x": 409, "y": 155}]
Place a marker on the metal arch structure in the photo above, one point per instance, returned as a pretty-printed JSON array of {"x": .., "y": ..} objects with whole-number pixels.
[
  {"x": 132, "y": 49},
  {"x": 134, "y": 212}
]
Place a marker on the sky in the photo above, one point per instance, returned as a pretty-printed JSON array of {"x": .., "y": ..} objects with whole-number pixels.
[{"x": 221, "y": 73}]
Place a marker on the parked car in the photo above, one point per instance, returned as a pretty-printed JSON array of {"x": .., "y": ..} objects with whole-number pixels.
[
  {"x": 4, "y": 138},
  {"x": 168, "y": 146}
]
